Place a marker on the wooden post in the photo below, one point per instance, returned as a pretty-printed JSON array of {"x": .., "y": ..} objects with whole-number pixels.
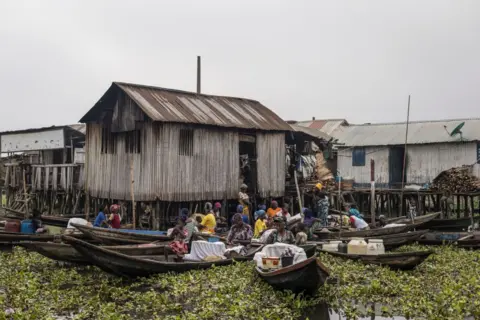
[
  {"x": 25, "y": 192},
  {"x": 199, "y": 74},
  {"x": 157, "y": 214},
  {"x": 372, "y": 190},
  {"x": 405, "y": 157},
  {"x": 132, "y": 194}
]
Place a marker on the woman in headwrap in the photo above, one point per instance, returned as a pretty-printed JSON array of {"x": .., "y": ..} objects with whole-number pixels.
[
  {"x": 241, "y": 210},
  {"x": 208, "y": 222},
  {"x": 311, "y": 223},
  {"x": 114, "y": 219},
  {"x": 239, "y": 230},
  {"x": 261, "y": 207},
  {"x": 260, "y": 225},
  {"x": 273, "y": 210},
  {"x": 281, "y": 234},
  {"x": 216, "y": 209},
  {"x": 244, "y": 200}
]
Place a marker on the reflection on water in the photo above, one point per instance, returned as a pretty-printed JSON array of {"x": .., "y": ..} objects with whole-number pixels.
[{"x": 322, "y": 312}]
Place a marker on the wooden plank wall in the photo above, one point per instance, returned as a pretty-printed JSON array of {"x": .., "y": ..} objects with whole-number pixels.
[
  {"x": 271, "y": 164},
  {"x": 160, "y": 171}
]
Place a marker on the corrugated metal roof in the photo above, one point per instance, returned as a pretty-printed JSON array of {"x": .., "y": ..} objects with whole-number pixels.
[
  {"x": 325, "y": 125},
  {"x": 419, "y": 132},
  {"x": 311, "y": 132},
  {"x": 168, "y": 105},
  {"x": 80, "y": 127}
]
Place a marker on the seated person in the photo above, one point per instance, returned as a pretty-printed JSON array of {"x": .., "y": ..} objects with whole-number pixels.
[
  {"x": 280, "y": 234},
  {"x": 239, "y": 230}
]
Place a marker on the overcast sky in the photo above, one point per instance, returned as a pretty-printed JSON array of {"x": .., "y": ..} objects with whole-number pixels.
[{"x": 357, "y": 60}]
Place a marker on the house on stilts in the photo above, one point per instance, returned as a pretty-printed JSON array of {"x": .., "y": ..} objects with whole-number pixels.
[{"x": 165, "y": 149}]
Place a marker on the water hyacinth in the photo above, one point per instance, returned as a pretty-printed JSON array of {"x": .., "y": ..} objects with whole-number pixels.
[{"x": 445, "y": 286}]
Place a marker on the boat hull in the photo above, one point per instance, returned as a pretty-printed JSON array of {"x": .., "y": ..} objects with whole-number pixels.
[{"x": 305, "y": 276}]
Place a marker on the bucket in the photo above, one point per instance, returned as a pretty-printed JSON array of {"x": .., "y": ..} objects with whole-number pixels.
[
  {"x": 27, "y": 227},
  {"x": 287, "y": 261}
]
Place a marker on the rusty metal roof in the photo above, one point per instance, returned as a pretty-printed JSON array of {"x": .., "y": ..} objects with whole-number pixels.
[{"x": 168, "y": 105}]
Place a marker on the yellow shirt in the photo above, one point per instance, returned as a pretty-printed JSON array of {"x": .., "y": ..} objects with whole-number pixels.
[
  {"x": 259, "y": 227},
  {"x": 209, "y": 222}
]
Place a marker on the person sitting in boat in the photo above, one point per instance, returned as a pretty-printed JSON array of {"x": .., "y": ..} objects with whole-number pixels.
[
  {"x": 179, "y": 245},
  {"x": 280, "y": 234},
  {"x": 321, "y": 204},
  {"x": 114, "y": 219},
  {"x": 239, "y": 230},
  {"x": 79, "y": 221},
  {"x": 352, "y": 210},
  {"x": 101, "y": 219},
  {"x": 284, "y": 212},
  {"x": 208, "y": 222},
  {"x": 261, "y": 207},
  {"x": 382, "y": 221},
  {"x": 301, "y": 236},
  {"x": 241, "y": 210},
  {"x": 358, "y": 224},
  {"x": 273, "y": 210},
  {"x": 37, "y": 222},
  {"x": 260, "y": 225}
]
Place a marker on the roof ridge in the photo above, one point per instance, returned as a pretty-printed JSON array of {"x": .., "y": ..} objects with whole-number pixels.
[
  {"x": 410, "y": 122},
  {"x": 179, "y": 91}
]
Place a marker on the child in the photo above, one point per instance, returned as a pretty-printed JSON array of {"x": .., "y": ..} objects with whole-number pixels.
[
  {"x": 301, "y": 237},
  {"x": 178, "y": 245}
]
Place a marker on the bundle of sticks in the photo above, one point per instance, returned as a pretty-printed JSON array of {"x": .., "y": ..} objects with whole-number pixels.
[{"x": 456, "y": 180}]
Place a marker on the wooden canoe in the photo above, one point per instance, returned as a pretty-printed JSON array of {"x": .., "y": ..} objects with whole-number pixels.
[
  {"x": 305, "y": 276},
  {"x": 14, "y": 237},
  {"x": 130, "y": 266},
  {"x": 392, "y": 241},
  {"x": 460, "y": 224},
  {"x": 371, "y": 232},
  {"x": 400, "y": 260},
  {"x": 119, "y": 237},
  {"x": 467, "y": 240},
  {"x": 66, "y": 253}
]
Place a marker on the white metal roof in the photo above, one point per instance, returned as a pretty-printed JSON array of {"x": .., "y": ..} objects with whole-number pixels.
[{"x": 419, "y": 132}]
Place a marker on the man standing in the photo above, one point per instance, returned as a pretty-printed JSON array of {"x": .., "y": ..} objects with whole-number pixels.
[{"x": 321, "y": 204}]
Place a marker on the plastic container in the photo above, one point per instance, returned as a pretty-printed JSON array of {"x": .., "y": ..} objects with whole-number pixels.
[
  {"x": 332, "y": 246},
  {"x": 287, "y": 261},
  {"x": 343, "y": 247},
  {"x": 357, "y": 246},
  {"x": 375, "y": 247},
  {"x": 212, "y": 239},
  {"x": 271, "y": 262},
  {"x": 27, "y": 227},
  {"x": 12, "y": 226}
]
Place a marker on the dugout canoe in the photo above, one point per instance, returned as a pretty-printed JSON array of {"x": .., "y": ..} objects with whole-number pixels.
[
  {"x": 400, "y": 260},
  {"x": 418, "y": 220},
  {"x": 110, "y": 236},
  {"x": 466, "y": 240},
  {"x": 66, "y": 253},
  {"x": 14, "y": 237},
  {"x": 371, "y": 233},
  {"x": 305, "y": 276},
  {"x": 130, "y": 266},
  {"x": 460, "y": 224}
]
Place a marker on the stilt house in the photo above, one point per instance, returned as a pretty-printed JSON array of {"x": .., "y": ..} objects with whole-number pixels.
[{"x": 179, "y": 146}]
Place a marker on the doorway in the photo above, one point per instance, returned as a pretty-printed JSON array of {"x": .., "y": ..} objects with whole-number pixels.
[
  {"x": 248, "y": 161},
  {"x": 395, "y": 166}
]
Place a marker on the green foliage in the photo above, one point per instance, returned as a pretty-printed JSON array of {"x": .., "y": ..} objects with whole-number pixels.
[{"x": 445, "y": 286}]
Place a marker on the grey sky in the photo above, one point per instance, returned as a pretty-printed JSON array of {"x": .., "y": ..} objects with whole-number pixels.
[{"x": 329, "y": 59}]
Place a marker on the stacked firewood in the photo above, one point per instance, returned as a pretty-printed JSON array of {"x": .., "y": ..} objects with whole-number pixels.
[{"x": 456, "y": 180}]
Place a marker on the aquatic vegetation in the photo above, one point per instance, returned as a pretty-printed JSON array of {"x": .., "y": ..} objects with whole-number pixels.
[{"x": 445, "y": 286}]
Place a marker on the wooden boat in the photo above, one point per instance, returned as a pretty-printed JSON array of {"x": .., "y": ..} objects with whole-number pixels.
[
  {"x": 400, "y": 260},
  {"x": 67, "y": 253},
  {"x": 392, "y": 241},
  {"x": 130, "y": 266},
  {"x": 467, "y": 240},
  {"x": 120, "y": 237},
  {"x": 374, "y": 232},
  {"x": 419, "y": 219},
  {"x": 460, "y": 224},
  {"x": 305, "y": 276},
  {"x": 14, "y": 237}
]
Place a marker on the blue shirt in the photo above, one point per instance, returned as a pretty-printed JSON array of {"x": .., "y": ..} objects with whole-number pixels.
[
  {"x": 99, "y": 219},
  {"x": 356, "y": 213}
]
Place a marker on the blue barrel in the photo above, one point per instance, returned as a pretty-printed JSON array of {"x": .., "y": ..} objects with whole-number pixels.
[{"x": 27, "y": 227}]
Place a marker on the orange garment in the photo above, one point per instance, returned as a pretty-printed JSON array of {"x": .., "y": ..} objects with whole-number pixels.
[{"x": 273, "y": 212}]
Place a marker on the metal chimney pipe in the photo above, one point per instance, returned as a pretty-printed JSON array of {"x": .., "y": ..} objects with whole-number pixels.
[{"x": 199, "y": 74}]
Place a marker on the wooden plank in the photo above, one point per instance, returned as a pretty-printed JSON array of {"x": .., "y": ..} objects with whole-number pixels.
[
  {"x": 458, "y": 207},
  {"x": 55, "y": 179},
  {"x": 63, "y": 178},
  {"x": 55, "y": 165},
  {"x": 47, "y": 179}
]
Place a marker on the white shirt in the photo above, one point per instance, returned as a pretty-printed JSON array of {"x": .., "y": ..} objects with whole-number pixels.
[{"x": 359, "y": 223}]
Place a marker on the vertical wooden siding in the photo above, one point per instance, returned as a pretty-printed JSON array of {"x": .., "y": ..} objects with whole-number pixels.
[
  {"x": 361, "y": 174},
  {"x": 271, "y": 164},
  {"x": 160, "y": 171}
]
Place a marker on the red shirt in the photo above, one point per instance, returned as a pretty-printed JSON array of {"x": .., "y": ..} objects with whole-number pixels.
[{"x": 116, "y": 221}]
